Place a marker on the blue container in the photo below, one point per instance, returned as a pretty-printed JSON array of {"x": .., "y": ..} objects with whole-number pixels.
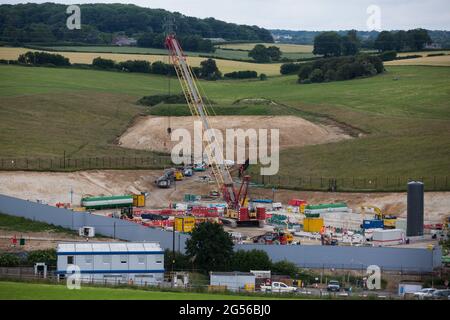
[{"x": 372, "y": 224}]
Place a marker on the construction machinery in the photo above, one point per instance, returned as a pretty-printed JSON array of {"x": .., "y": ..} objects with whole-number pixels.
[
  {"x": 201, "y": 110},
  {"x": 389, "y": 220},
  {"x": 166, "y": 180}
]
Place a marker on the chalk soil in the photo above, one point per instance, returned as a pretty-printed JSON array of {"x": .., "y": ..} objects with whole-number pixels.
[
  {"x": 150, "y": 132},
  {"x": 55, "y": 187}
]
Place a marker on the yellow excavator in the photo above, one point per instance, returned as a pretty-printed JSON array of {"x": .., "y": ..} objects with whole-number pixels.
[{"x": 389, "y": 220}]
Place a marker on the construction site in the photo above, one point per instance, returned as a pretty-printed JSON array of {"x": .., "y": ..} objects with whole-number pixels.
[
  {"x": 313, "y": 229},
  {"x": 221, "y": 191}
]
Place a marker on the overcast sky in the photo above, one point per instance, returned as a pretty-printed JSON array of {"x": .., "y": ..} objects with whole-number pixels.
[{"x": 305, "y": 15}]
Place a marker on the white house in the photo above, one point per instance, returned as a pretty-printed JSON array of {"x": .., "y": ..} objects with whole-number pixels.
[{"x": 113, "y": 262}]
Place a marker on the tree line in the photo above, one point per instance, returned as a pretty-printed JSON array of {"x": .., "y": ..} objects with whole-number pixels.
[
  {"x": 46, "y": 23},
  {"x": 335, "y": 68},
  {"x": 210, "y": 248},
  {"x": 208, "y": 69}
]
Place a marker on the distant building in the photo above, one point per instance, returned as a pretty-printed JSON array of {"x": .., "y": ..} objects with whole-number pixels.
[
  {"x": 433, "y": 46},
  {"x": 124, "y": 41},
  {"x": 113, "y": 262},
  {"x": 214, "y": 40}
]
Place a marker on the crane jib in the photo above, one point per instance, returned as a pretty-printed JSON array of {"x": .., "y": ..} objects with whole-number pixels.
[{"x": 194, "y": 98}]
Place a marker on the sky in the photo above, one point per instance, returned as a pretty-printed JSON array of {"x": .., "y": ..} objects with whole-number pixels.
[{"x": 306, "y": 15}]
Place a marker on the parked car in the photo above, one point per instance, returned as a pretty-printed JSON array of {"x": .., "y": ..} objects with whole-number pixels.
[
  {"x": 441, "y": 294},
  {"x": 333, "y": 285},
  {"x": 278, "y": 287},
  {"x": 425, "y": 293}
]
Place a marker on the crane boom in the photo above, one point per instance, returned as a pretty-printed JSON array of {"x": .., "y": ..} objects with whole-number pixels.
[{"x": 198, "y": 108}]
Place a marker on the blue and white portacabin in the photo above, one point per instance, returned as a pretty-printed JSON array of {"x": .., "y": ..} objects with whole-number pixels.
[{"x": 113, "y": 262}]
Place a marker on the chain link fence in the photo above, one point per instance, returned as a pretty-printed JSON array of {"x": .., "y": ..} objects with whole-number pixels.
[
  {"x": 73, "y": 164},
  {"x": 347, "y": 184}
]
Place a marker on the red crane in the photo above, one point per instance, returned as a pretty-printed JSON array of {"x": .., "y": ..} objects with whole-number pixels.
[{"x": 199, "y": 109}]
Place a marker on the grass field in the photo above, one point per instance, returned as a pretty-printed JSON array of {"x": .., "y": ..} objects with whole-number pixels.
[
  {"x": 405, "y": 114},
  {"x": 19, "y": 224},
  {"x": 225, "y": 66},
  {"x": 33, "y": 291}
]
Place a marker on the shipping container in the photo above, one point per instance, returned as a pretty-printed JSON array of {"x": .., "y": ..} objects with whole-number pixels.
[
  {"x": 107, "y": 202},
  {"x": 184, "y": 224},
  {"x": 388, "y": 237},
  {"x": 372, "y": 224},
  {"x": 138, "y": 200},
  {"x": 312, "y": 224}
]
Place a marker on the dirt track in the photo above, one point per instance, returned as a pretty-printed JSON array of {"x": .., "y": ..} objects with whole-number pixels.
[
  {"x": 150, "y": 133},
  {"x": 55, "y": 187}
]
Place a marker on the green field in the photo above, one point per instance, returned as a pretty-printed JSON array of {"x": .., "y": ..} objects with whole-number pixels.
[
  {"x": 11, "y": 223},
  {"x": 404, "y": 116},
  {"x": 290, "y": 53},
  {"x": 33, "y": 291}
]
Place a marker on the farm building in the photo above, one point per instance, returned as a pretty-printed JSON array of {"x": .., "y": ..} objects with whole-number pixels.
[
  {"x": 125, "y": 262},
  {"x": 233, "y": 281}
]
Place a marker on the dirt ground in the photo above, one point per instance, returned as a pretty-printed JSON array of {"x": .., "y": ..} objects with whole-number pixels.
[
  {"x": 150, "y": 133},
  {"x": 38, "y": 240},
  {"x": 56, "y": 187}
]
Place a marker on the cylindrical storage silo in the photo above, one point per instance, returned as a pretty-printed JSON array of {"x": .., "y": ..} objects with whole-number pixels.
[{"x": 414, "y": 223}]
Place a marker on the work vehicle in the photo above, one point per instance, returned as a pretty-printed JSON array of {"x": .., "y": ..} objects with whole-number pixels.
[
  {"x": 178, "y": 176},
  {"x": 389, "y": 220},
  {"x": 166, "y": 180},
  {"x": 441, "y": 294},
  {"x": 425, "y": 293},
  {"x": 333, "y": 286},
  {"x": 235, "y": 198},
  {"x": 278, "y": 237},
  {"x": 278, "y": 287}
]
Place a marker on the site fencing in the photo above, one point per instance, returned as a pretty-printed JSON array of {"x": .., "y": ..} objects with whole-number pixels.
[
  {"x": 304, "y": 289},
  {"x": 351, "y": 184},
  {"x": 344, "y": 184},
  {"x": 74, "y": 164}
]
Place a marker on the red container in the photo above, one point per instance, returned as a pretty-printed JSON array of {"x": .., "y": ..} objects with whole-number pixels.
[
  {"x": 243, "y": 214},
  {"x": 261, "y": 213},
  {"x": 296, "y": 202}
]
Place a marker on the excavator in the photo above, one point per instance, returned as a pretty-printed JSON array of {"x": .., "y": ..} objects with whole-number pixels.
[
  {"x": 236, "y": 213},
  {"x": 389, "y": 220}
]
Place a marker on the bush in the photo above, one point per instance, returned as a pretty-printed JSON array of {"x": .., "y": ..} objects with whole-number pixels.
[
  {"x": 285, "y": 267},
  {"x": 411, "y": 56},
  {"x": 330, "y": 75},
  {"x": 43, "y": 58},
  {"x": 242, "y": 74},
  {"x": 388, "y": 55},
  {"x": 103, "y": 63},
  {"x": 162, "y": 98},
  {"x": 9, "y": 260},
  {"x": 46, "y": 256},
  {"x": 305, "y": 71},
  {"x": 245, "y": 261},
  {"x": 290, "y": 68},
  {"x": 316, "y": 75},
  {"x": 262, "y": 77},
  {"x": 436, "y": 54},
  {"x": 135, "y": 66},
  {"x": 341, "y": 68}
]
